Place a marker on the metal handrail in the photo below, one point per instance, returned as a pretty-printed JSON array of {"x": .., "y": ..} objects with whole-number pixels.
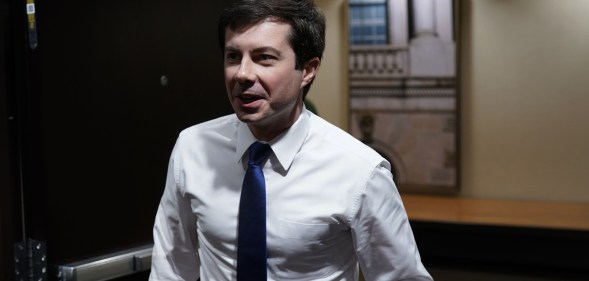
[{"x": 107, "y": 267}]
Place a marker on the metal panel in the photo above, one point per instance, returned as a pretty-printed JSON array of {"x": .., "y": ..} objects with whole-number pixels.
[{"x": 107, "y": 267}]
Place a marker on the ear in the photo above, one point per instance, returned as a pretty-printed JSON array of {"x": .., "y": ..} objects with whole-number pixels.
[{"x": 310, "y": 70}]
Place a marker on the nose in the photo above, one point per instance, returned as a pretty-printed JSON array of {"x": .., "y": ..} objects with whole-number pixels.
[{"x": 246, "y": 72}]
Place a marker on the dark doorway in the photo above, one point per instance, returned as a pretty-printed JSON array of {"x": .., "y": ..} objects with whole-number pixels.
[{"x": 90, "y": 114}]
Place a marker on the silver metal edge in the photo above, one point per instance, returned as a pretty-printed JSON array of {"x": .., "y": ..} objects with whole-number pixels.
[
  {"x": 142, "y": 259},
  {"x": 107, "y": 267}
]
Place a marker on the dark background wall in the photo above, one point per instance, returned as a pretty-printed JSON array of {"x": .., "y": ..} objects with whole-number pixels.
[
  {"x": 89, "y": 117},
  {"x": 9, "y": 203}
]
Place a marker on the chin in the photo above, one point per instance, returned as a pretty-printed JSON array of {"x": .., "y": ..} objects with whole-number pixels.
[{"x": 247, "y": 117}]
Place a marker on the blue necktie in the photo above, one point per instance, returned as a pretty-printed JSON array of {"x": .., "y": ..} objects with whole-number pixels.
[{"x": 251, "y": 237}]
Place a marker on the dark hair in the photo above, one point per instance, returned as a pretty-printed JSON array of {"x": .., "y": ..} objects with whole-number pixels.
[{"x": 307, "y": 37}]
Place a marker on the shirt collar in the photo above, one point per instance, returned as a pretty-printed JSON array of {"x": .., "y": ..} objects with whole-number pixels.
[
  {"x": 285, "y": 146},
  {"x": 245, "y": 138}
]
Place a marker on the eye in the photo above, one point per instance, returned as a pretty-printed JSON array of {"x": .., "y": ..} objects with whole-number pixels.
[
  {"x": 232, "y": 57},
  {"x": 266, "y": 59}
]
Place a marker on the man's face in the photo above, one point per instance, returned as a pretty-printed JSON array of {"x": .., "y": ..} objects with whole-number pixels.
[{"x": 263, "y": 85}]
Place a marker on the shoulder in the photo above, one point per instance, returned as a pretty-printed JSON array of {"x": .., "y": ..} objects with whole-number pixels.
[
  {"x": 209, "y": 133},
  {"x": 332, "y": 139}
]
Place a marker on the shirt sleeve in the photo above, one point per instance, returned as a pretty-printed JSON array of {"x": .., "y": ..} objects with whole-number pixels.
[
  {"x": 383, "y": 238},
  {"x": 175, "y": 255}
]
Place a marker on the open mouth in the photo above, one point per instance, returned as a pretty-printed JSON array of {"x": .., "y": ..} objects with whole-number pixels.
[{"x": 249, "y": 98}]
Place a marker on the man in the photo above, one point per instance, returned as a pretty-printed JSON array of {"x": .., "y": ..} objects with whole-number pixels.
[{"x": 331, "y": 203}]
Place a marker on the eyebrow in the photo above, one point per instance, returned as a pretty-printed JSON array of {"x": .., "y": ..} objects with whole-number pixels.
[{"x": 256, "y": 50}]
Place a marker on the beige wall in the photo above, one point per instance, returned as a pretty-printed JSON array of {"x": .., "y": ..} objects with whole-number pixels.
[
  {"x": 525, "y": 99},
  {"x": 524, "y": 96},
  {"x": 330, "y": 90}
]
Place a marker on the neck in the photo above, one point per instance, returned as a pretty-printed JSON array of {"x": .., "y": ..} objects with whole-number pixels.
[{"x": 267, "y": 132}]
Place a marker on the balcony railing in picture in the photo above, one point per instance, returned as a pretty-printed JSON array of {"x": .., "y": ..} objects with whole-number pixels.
[{"x": 378, "y": 62}]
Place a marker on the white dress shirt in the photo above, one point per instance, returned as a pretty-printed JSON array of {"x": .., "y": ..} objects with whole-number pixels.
[{"x": 331, "y": 205}]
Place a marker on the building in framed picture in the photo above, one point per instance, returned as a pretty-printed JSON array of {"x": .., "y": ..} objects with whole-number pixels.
[{"x": 404, "y": 88}]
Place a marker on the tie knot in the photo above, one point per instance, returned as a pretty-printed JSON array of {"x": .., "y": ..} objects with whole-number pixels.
[{"x": 258, "y": 152}]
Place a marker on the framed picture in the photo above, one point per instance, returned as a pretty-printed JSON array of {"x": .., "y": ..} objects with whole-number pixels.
[{"x": 403, "y": 79}]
